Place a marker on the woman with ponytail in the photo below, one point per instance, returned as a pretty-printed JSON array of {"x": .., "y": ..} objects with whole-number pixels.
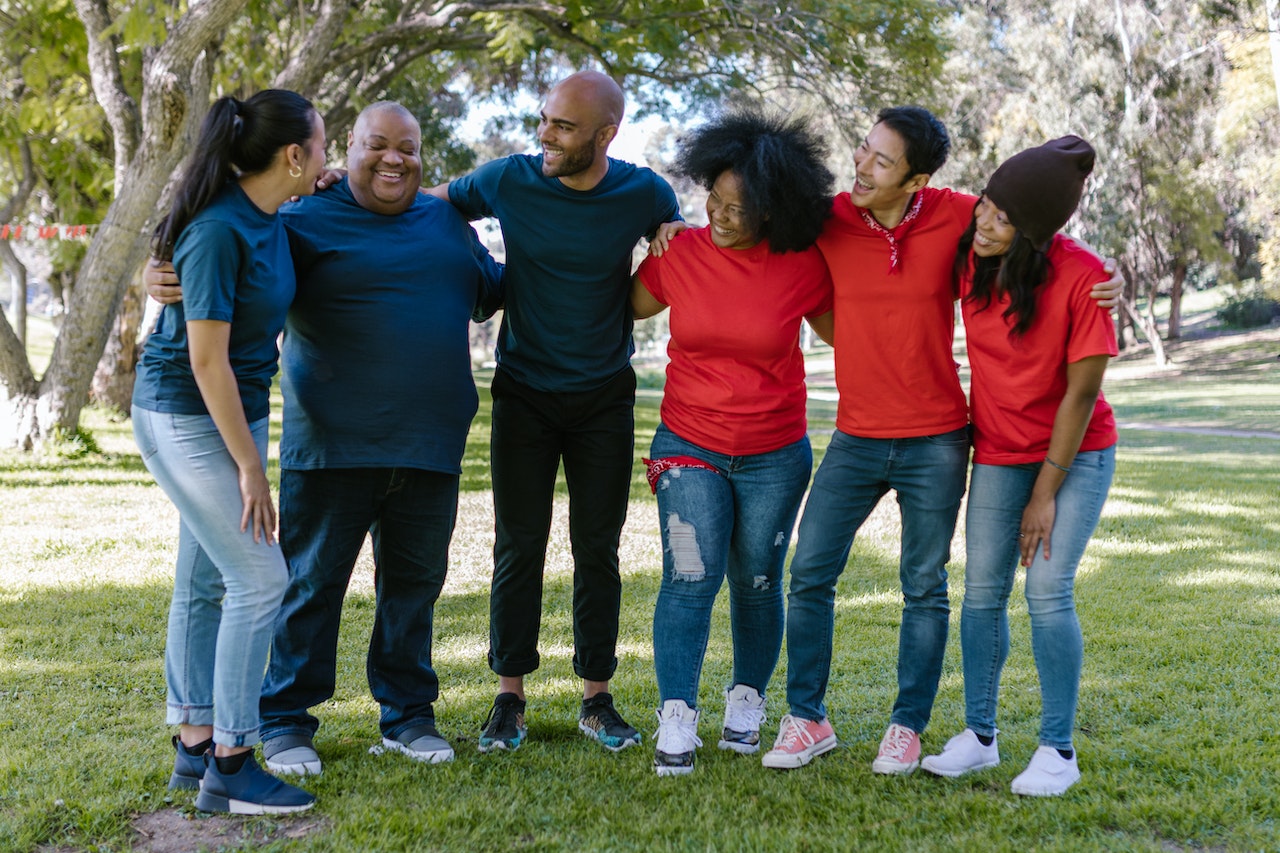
[
  {"x": 200, "y": 408},
  {"x": 1044, "y": 448}
]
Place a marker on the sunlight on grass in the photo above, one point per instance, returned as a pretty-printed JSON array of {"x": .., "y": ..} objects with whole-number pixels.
[{"x": 1229, "y": 578}]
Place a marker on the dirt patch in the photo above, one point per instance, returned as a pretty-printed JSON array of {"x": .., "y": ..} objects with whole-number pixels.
[{"x": 184, "y": 831}]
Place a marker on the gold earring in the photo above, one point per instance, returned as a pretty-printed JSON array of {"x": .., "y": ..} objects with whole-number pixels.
[{"x": 295, "y": 172}]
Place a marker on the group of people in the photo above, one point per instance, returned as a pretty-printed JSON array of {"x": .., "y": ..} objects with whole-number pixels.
[{"x": 372, "y": 281}]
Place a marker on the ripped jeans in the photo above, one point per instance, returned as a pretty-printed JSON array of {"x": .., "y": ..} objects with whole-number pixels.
[{"x": 735, "y": 522}]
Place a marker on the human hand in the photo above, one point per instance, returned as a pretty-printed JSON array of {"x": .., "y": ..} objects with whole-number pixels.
[
  {"x": 259, "y": 511},
  {"x": 161, "y": 282},
  {"x": 1109, "y": 292},
  {"x": 1036, "y": 527},
  {"x": 662, "y": 238}
]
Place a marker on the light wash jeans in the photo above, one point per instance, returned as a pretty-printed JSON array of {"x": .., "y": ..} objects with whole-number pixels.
[
  {"x": 226, "y": 587},
  {"x": 998, "y": 494},
  {"x": 928, "y": 474},
  {"x": 733, "y": 524}
]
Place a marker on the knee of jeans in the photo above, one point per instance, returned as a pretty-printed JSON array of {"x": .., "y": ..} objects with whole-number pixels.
[
  {"x": 1044, "y": 605},
  {"x": 686, "y": 558}
]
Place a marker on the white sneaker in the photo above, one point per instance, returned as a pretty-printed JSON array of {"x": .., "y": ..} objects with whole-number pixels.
[
  {"x": 677, "y": 738},
  {"x": 743, "y": 716},
  {"x": 1048, "y": 774},
  {"x": 421, "y": 743},
  {"x": 963, "y": 754}
]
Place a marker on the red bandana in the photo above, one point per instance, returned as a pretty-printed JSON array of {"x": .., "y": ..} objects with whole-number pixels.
[
  {"x": 894, "y": 236},
  {"x": 657, "y": 466}
]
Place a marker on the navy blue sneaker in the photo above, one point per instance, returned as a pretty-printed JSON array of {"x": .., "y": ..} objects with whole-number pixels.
[
  {"x": 188, "y": 769},
  {"x": 250, "y": 790},
  {"x": 601, "y": 722},
  {"x": 504, "y": 729}
]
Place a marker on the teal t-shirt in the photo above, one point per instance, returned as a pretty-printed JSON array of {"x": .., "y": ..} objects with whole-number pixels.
[
  {"x": 567, "y": 320},
  {"x": 234, "y": 264}
]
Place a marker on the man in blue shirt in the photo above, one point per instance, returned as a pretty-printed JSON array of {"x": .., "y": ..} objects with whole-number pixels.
[
  {"x": 564, "y": 388},
  {"x": 376, "y": 378}
]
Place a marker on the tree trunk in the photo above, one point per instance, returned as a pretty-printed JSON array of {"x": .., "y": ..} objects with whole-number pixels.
[
  {"x": 175, "y": 96},
  {"x": 1175, "y": 300},
  {"x": 18, "y": 291},
  {"x": 113, "y": 381},
  {"x": 1273, "y": 30}
]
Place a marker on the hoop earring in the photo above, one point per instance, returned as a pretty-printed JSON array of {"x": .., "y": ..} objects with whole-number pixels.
[{"x": 295, "y": 172}]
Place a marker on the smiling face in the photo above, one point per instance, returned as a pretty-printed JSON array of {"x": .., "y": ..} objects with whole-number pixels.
[
  {"x": 727, "y": 213},
  {"x": 881, "y": 184},
  {"x": 575, "y": 129},
  {"x": 384, "y": 160},
  {"x": 993, "y": 234}
]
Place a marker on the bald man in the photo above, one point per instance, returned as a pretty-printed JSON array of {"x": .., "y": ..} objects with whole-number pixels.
[
  {"x": 564, "y": 389},
  {"x": 378, "y": 398}
]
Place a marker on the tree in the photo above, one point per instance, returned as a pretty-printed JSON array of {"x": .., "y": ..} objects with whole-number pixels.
[{"x": 153, "y": 66}]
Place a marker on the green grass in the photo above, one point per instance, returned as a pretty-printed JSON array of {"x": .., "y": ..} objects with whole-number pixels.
[{"x": 1178, "y": 595}]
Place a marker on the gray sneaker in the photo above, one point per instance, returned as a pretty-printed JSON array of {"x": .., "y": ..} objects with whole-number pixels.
[
  {"x": 421, "y": 743},
  {"x": 291, "y": 754}
]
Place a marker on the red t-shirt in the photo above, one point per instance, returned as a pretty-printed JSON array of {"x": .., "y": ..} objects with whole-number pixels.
[
  {"x": 735, "y": 384},
  {"x": 895, "y": 323},
  {"x": 1018, "y": 383}
]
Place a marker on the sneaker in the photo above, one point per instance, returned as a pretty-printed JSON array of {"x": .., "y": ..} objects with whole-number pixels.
[
  {"x": 899, "y": 751},
  {"x": 677, "y": 738},
  {"x": 292, "y": 755},
  {"x": 250, "y": 790},
  {"x": 963, "y": 754},
  {"x": 743, "y": 716},
  {"x": 188, "y": 769},
  {"x": 504, "y": 728},
  {"x": 799, "y": 741},
  {"x": 1048, "y": 774},
  {"x": 421, "y": 743},
  {"x": 601, "y": 722}
]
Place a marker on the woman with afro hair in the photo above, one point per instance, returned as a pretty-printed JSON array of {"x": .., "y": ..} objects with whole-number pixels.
[{"x": 731, "y": 459}]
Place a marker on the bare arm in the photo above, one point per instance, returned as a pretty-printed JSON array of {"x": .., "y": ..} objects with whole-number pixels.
[
  {"x": 208, "y": 342},
  {"x": 642, "y": 302},
  {"x": 440, "y": 191},
  {"x": 1084, "y": 383},
  {"x": 824, "y": 326}
]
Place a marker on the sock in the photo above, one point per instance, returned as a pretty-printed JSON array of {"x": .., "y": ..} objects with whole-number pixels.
[
  {"x": 985, "y": 740},
  {"x": 230, "y": 764},
  {"x": 199, "y": 749},
  {"x": 1066, "y": 753}
]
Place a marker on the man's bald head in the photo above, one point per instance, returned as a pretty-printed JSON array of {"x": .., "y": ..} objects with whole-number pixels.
[{"x": 599, "y": 90}]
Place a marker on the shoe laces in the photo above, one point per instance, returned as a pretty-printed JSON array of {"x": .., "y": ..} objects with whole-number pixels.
[
  {"x": 897, "y": 740},
  {"x": 793, "y": 730},
  {"x": 741, "y": 716},
  {"x": 501, "y": 715},
  {"x": 607, "y": 714},
  {"x": 676, "y": 737}
]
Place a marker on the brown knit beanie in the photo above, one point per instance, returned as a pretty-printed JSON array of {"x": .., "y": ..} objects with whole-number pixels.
[{"x": 1039, "y": 188}]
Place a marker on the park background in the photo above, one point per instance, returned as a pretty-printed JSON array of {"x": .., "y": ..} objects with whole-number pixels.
[{"x": 1179, "y": 594}]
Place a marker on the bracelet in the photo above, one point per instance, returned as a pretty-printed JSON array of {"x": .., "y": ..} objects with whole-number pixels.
[{"x": 1066, "y": 470}]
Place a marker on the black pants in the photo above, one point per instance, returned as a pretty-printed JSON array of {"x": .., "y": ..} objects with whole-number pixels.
[{"x": 594, "y": 433}]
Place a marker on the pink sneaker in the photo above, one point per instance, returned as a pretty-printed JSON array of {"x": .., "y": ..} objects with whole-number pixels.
[
  {"x": 799, "y": 740},
  {"x": 899, "y": 751}
]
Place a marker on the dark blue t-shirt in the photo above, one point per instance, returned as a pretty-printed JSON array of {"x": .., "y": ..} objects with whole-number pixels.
[
  {"x": 234, "y": 264},
  {"x": 376, "y": 358},
  {"x": 567, "y": 319}
]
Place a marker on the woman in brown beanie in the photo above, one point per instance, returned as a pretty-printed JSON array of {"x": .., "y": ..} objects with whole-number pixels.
[{"x": 1044, "y": 448}]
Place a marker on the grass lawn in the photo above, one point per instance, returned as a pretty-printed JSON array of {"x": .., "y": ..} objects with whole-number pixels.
[{"x": 1179, "y": 597}]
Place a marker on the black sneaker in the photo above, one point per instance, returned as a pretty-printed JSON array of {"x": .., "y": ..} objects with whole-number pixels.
[
  {"x": 188, "y": 769},
  {"x": 601, "y": 722},
  {"x": 504, "y": 728},
  {"x": 250, "y": 790}
]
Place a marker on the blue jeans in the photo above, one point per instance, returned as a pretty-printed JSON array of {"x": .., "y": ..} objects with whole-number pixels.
[
  {"x": 226, "y": 587},
  {"x": 324, "y": 517},
  {"x": 734, "y": 523},
  {"x": 997, "y": 497},
  {"x": 928, "y": 473}
]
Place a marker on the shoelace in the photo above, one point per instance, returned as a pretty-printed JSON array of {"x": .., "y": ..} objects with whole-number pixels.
[
  {"x": 742, "y": 718},
  {"x": 899, "y": 741},
  {"x": 501, "y": 715},
  {"x": 608, "y": 715},
  {"x": 795, "y": 731},
  {"x": 680, "y": 737}
]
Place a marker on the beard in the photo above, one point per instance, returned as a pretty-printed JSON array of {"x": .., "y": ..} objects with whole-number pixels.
[{"x": 571, "y": 162}]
